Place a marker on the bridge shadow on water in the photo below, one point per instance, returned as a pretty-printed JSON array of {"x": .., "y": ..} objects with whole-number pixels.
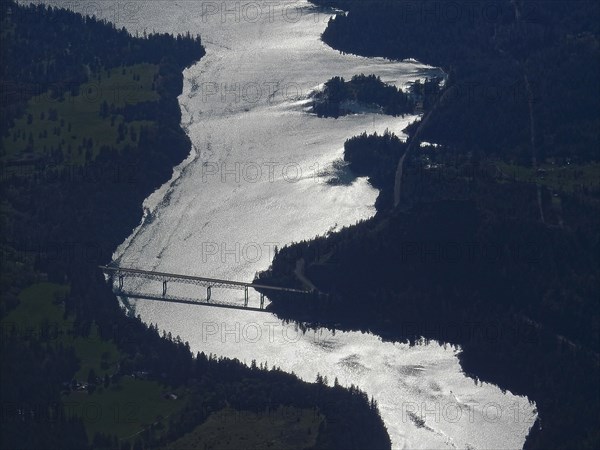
[{"x": 186, "y": 301}]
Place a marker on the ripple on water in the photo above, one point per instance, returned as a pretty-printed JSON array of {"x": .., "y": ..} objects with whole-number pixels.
[{"x": 230, "y": 210}]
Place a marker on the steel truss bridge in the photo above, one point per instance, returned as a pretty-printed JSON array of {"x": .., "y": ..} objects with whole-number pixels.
[{"x": 118, "y": 274}]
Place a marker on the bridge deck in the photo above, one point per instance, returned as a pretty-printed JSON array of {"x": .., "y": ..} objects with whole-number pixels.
[{"x": 215, "y": 282}]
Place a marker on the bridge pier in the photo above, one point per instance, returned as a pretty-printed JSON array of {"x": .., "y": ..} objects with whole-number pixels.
[
  {"x": 208, "y": 289},
  {"x": 262, "y": 300},
  {"x": 120, "y": 282},
  {"x": 164, "y": 288},
  {"x": 245, "y": 296}
]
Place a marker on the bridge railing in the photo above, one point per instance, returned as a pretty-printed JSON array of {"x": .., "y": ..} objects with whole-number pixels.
[
  {"x": 190, "y": 279},
  {"x": 120, "y": 273}
]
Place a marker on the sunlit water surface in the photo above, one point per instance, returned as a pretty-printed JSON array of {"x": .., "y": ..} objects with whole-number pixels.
[{"x": 258, "y": 178}]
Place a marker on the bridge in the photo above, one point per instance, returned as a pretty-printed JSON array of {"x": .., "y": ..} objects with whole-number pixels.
[{"x": 120, "y": 273}]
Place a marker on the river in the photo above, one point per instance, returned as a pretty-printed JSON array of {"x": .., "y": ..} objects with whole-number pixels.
[{"x": 259, "y": 177}]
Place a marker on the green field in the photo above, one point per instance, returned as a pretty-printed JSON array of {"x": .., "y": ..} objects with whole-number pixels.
[
  {"x": 285, "y": 428},
  {"x": 40, "y": 305},
  {"x": 121, "y": 409},
  {"x": 74, "y": 125},
  {"x": 565, "y": 178}
]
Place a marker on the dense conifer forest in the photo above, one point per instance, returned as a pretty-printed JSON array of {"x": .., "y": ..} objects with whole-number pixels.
[
  {"x": 338, "y": 95},
  {"x": 487, "y": 231},
  {"x": 77, "y": 162}
]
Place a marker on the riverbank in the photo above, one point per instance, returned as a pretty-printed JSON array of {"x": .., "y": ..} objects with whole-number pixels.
[
  {"x": 93, "y": 152},
  {"x": 268, "y": 184},
  {"x": 466, "y": 259}
]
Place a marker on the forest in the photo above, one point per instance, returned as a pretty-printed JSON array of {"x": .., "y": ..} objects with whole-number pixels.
[
  {"x": 366, "y": 91},
  {"x": 340, "y": 97},
  {"x": 375, "y": 156},
  {"x": 487, "y": 54},
  {"x": 75, "y": 171},
  {"x": 494, "y": 245}
]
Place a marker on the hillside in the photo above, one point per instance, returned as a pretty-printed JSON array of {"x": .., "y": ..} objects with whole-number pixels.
[
  {"x": 487, "y": 239},
  {"x": 91, "y": 127}
]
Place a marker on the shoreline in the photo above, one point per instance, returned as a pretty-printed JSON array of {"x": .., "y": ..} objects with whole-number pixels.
[
  {"x": 167, "y": 189},
  {"x": 104, "y": 212}
]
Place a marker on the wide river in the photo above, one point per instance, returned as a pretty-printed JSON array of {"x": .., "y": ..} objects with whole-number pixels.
[{"x": 258, "y": 178}]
